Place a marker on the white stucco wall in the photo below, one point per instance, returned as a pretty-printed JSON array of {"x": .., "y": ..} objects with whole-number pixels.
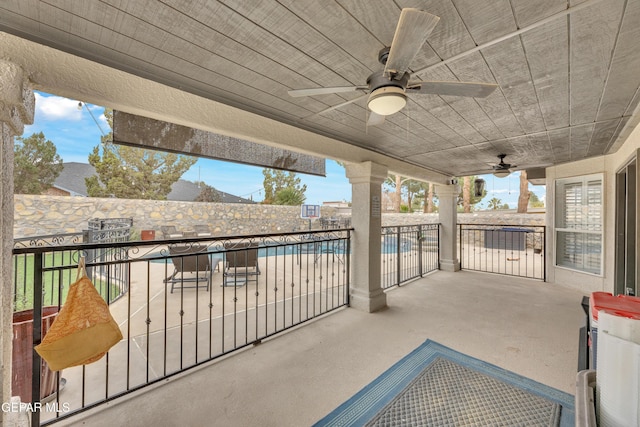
[{"x": 608, "y": 165}]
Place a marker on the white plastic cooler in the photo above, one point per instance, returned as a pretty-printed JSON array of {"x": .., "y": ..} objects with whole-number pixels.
[
  {"x": 620, "y": 305},
  {"x": 618, "y": 374}
]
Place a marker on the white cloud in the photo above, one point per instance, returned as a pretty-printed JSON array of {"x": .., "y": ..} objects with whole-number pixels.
[
  {"x": 102, "y": 119},
  {"x": 499, "y": 191},
  {"x": 57, "y": 108}
]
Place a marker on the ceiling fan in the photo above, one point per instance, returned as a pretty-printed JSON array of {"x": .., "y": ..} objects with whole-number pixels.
[
  {"x": 387, "y": 90},
  {"x": 502, "y": 169}
]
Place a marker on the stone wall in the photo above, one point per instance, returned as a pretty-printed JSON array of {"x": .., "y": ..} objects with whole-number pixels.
[
  {"x": 44, "y": 215},
  {"x": 499, "y": 217}
]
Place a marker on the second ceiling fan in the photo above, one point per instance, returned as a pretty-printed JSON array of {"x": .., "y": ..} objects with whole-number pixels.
[{"x": 387, "y": 90}]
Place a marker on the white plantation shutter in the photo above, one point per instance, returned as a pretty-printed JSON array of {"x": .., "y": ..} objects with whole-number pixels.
[
  {"x": 579, "y": 223},
  {"x": 594, "y": 205},
  {"x": 573, "y": 207}
]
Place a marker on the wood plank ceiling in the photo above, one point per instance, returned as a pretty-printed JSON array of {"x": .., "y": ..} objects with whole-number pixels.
[{"x": 566, "y": 88}]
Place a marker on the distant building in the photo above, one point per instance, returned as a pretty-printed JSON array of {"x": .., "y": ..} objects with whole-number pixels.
[
  {"x": 71, "y": 182},
  {"x": 341, "y": 207},
  {"x": 338, "y": 204}
]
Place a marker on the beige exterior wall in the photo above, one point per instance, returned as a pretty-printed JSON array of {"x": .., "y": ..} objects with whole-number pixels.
[{"x": 608, "y": 165}]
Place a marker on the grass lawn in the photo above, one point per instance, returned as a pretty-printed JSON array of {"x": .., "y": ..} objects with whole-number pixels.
[{"x": 55, "y": 284}]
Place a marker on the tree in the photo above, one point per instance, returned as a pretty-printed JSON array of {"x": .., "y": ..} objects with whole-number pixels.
[
  {"x": 133, "y": 173},
  {"x": 208, "y": 194},
  {"x": 495, "y": 204},
  {"x": 412, "y": 188},
  {"x": 421, "y": 199},
  {"x": 534, "y": 200},
  {"x": 289, "y": 196},
  {"x": 276, "y": 180},
  {"x": 523, "y": 198},
  {"x": 466, "y": 194},
  {"x": 398, "y": 187},
  {"x": 428, "y": 206},
  {"x": 467, "y": 198},
  {"x": 395, "y": 182},
  {"x": 36, "y": 164}
]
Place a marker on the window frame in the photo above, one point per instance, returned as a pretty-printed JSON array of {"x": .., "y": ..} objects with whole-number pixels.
[{"x": 581, "y": 230}]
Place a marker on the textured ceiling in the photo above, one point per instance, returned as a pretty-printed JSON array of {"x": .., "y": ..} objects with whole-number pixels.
[{"x": 568, "y": 86}]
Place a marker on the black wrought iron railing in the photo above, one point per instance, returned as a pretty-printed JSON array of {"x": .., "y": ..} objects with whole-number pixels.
[
  {"x": 185, "y": 303},
  {"x": 111, "y": 280},
  {"x": 511, "y": 250},
  {"x": 408, "y": 252}
]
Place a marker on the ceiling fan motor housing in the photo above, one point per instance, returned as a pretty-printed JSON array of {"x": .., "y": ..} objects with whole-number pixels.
[
  {"x": 387, "y": 96},
  {"x": 378, "y": 80},
  {"x": 502, "y": 166},
  {"x": 383, "y": 55}
]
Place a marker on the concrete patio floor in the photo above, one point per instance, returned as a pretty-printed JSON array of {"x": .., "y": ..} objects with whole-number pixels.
[{"x": 294, "y": 379}]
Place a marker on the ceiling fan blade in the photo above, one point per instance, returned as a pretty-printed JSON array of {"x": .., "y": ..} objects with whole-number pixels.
[
  {"x": 510, "y": 168},
  {"x": 326, "y": 110},
  {"x": 475, "y": 90},
  {"x": 414, "y": 26},
  {"x": 296, "y": 93},
  {"x": 477, "y": 172},
  {"x": 530, "y": 166},
  {"x": 375, "y": 119}
]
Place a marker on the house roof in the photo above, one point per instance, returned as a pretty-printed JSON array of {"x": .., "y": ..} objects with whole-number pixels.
[
  {"x": 188, "y": 191},
  {"x": 568, "y": 82},
  {"x": 72, "y": 179}
]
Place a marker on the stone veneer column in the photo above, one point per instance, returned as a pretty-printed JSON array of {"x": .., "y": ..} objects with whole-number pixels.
[
  {"x": 448, "y": 217},
  {"x": 366, "y": 182},
  {"x": 17, "y": 104}
]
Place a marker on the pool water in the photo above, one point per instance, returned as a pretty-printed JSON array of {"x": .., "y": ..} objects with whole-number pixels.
[{"x": 389, "y": 245}]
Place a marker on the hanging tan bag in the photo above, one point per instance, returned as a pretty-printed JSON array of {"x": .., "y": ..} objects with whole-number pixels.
[{"x": 83, "y": 330}]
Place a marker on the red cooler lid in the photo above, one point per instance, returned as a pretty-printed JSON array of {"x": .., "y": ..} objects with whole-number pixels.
[{"x": 620, "y": 305}]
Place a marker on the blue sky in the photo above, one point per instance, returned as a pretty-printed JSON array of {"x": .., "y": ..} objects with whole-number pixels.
[{"x": 75, "y": 133}]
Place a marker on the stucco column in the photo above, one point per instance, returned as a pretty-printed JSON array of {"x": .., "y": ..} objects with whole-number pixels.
[
  {"x": 366, "y": 191},
  {"x": 448, "y": 216},
  {"x": 17, "y": 104}
]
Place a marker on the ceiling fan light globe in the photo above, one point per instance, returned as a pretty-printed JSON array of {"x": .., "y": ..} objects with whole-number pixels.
[
  {"x": 387, "y": 100},
  {"x": 502, "y": 173}
]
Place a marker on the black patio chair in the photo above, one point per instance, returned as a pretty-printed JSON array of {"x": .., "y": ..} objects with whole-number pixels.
[
  {"x": 191, "y": 265},
  {"x": 202, "y": 230},
  {"x": 318, "y": 247},
  {"x": 170, "y": 232},
  {"x": 241, "y": 264}
]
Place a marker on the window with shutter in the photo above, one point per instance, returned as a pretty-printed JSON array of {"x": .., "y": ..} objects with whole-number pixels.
[{"x": 578, "y": 223}]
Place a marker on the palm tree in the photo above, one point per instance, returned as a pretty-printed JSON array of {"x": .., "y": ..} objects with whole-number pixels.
[
  {"x": 523, "y": 199},
  {"x": 466, "y": 194},
  {"x": 289, "y": 196},
  {"x": 428, "y": 204},
  {"x": 495, "y": 204}
]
